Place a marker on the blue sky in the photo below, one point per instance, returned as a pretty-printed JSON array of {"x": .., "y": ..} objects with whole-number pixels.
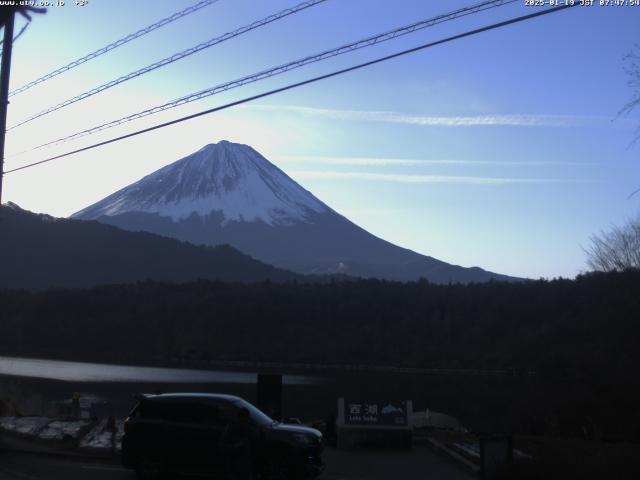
[{"x": 501, "y": 150}]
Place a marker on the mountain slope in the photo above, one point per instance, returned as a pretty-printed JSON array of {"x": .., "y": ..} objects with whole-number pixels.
[
  {"x": 39, "y": 251},
  {"x": 228, "y": 193},
  {"x": 231, "y": 178}
]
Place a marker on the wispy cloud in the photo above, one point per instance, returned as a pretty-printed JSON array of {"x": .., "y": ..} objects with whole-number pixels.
[
  {"x": 404, "y": 162},
  {"x": 403, "y": 178},
  {"x": 512, "y": 120},
  {"x": 349, "y": 212}
]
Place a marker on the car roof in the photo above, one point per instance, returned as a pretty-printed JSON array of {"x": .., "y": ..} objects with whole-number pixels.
[{"x": 190, "y": 396}]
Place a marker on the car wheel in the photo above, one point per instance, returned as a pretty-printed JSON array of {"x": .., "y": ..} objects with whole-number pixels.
[{"x": 149, "y": 468}]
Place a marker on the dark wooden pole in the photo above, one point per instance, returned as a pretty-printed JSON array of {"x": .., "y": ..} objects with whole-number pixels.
[{"x": 4, "y": 89}]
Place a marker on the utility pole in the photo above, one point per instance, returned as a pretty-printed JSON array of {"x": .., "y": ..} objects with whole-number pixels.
[{"x": 7, "y": 45}]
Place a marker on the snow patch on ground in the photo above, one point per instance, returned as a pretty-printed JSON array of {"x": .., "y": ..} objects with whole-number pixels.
[
  {"x": 61, "y": 430},
  {"x": 88, "y": 434},
  {"x": 24, "y": 425},
  {"x": 100, "y": 437}
]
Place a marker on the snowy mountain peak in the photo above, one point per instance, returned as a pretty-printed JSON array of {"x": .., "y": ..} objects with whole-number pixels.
[{"x": 224, "y": 177}]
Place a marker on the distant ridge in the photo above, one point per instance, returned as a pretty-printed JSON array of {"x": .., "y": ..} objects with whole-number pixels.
[{"x": 39, "y": 251}]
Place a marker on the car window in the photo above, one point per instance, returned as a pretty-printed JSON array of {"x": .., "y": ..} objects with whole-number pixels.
[
  {"x": 220, "y": 412},
  {"x": 205, "y": 412},
  {"x": 172, "y": 411},
  {"x": 257, "y": 416},
  {"x": 155, "y": 410}
]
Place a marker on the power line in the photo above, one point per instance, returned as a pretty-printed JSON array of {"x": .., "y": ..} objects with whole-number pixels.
[
  {"x": 22, "y": 30},
  {"x": 367, "y": 42},
  {"x": 174, "y": 58},
  {"x": 116, "y": 44},
  {"x": 26, "y": 12},
  {"x": 18, "y": 35},
  {"x": 302, "y": 83}
]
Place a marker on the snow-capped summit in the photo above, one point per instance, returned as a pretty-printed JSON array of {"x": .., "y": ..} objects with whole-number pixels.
[
  {"x": 225, "y": 178},
  {"x": 227, "y": 193}
]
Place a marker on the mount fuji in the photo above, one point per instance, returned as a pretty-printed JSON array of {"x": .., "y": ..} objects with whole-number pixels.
[{"x": 227, "y": 193}]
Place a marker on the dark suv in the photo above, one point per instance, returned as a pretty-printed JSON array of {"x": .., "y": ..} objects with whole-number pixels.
[{"x": 212, "y": 433}]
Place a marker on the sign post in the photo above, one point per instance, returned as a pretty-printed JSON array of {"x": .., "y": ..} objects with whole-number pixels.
[{"x": 374, "y": 422}]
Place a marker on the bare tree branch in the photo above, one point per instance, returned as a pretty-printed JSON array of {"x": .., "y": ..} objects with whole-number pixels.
[
  {"x": 616, "y": 249},
  {"x": 632, "y": 69}
]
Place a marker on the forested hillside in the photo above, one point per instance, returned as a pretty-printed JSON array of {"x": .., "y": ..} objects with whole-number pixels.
[
  {"x": 564, "y": 326},
  {"x": 39, "y": 251}
]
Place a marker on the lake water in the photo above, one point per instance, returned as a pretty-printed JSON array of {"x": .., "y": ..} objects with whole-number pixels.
[
  {"x": 99, "y": 372},
  {"x": 474, "y": 400}
]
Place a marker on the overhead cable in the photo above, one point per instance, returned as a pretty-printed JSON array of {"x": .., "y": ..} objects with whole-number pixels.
[
  {"x": 113, "y": 45},
  {"x": 366, "y": 42},
  {"x": 172, "y": 58},
  {"x": 300, "y": 84}
]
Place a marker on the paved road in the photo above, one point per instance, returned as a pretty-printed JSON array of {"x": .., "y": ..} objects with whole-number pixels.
[
  {"x": 35, "y": 467},
  {"x": 419, "y": 463}
]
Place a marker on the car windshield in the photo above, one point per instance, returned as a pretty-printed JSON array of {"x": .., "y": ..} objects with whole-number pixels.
[{"x": 257, "y": 415}]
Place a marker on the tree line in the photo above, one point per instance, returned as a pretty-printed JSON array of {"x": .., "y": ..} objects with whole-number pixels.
[
  {"x": 560, "y": 325},
  {"x": 579, "y": 336}
]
